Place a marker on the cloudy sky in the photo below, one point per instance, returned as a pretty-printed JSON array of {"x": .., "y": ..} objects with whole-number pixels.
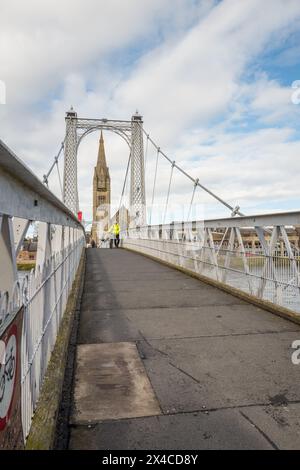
[{"x": 212, "y": 79}]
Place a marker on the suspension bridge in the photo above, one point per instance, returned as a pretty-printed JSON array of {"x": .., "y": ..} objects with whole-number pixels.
[{"x": 183, "y": 339}]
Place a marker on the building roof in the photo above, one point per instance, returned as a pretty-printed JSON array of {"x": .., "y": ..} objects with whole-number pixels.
[{"x": 30, "y": 246}]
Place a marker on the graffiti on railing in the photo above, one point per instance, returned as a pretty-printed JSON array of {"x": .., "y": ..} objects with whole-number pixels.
[
  {"x": 11, "y": 435},
  {"x": 296, "y": 354},
  {"x": 9, "y": 368}
]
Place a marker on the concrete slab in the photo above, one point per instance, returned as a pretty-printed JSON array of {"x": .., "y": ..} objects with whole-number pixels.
[
  {"x": 144, "y": 298},
  {"x": 232, "y": 370},
  {"x": 120, "y": 264},
  {"x": 131, "y": 276},
  {"x": 122, "y": 271},
  {"x": 151, "y": 284},
  {"x": 280, "y": 423},
  {"x": 191, "y": 322},
  {"x": 208, "y": 320},
  {"x": 176, "y": 390},
  {"x": 111, "y": 383},
  {"x": 223, "y": 429},
  {"x": 106, "y": 326}
]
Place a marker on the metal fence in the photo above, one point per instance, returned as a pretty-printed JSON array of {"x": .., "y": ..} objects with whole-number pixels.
[
  {"x": 270, "y": 272},
  {"x": 43, "y": 293}
]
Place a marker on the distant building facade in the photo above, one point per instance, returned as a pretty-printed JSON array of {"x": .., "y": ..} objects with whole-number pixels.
[
  {"x": 101, "y": 194},
  {"x": 28, "y": 252},
  {"x": 252, "y": 242}
]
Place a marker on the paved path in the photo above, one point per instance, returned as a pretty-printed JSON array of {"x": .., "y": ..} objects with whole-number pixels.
[{"x": 165, "y": 361}]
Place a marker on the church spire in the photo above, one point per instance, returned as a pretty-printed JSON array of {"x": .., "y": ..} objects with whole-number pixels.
[{"x": 101, "y": 162}]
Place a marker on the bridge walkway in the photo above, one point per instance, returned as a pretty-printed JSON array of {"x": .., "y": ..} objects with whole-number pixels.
[{"x": 165, "y": 361}]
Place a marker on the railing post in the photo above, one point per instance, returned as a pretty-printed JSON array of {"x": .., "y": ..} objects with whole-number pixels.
[
  {"x": 269, "y": 267},
  {"x": 8, "y": 263},
  {"x": 44, "y": 249},
  {"x": 20, "y": 227}
]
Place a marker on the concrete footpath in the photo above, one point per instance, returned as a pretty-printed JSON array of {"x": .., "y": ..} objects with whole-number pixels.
[{"x": 165, "y": 361}]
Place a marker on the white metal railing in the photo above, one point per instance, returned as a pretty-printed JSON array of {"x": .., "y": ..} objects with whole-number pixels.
[
  {"x": 43, "y": 293},
  {"x": 270, "y": 272},
  {"x": 46, "y": 293}
]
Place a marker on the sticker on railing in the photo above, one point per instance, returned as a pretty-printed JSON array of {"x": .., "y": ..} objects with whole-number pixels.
[
  {"x": 8, "y": 377},
  {"x": 2, "y": 352},
  {"x": 11, "y": 432},
  {"x": 296, "y": 354}
]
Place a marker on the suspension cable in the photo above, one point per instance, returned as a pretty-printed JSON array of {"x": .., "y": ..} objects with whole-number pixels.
[
  {"x": 125, "y": 181},
  {"x": 154, "y": 183},
  {"x": 46, "y": 177},
  {"x": 168, "y": 194},
  {"x": 235, "y": 210},
  {"x": 59, "y": 179},
  {"x": 192, "y": 199}
]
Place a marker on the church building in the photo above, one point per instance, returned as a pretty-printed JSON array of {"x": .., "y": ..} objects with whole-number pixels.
[{"x": 101, "y": 194}]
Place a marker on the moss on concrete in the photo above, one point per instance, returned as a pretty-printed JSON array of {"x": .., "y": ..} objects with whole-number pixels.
[
  {"x": 25, "y": 266},
  {"x": 42, "y": 432}
]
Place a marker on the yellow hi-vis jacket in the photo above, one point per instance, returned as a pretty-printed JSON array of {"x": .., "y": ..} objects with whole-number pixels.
[{"x": 115, "y": 229}]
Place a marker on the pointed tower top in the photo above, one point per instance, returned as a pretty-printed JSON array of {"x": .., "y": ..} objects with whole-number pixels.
[
  {"x": 101, "y": 162},
  {"x": 71, "y": 113}
]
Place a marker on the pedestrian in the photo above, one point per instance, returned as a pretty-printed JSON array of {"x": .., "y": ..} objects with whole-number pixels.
[
  {"x": 93, "y": 244},
  {"x": 117, "y": 234},
  {"x": 115, "y": 231}
]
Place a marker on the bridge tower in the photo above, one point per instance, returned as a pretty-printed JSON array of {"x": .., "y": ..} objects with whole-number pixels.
[
  {"x": 137, "y": 174},
  {"x": 132, "y": 132},
  {"x": 70, "y": 188}
]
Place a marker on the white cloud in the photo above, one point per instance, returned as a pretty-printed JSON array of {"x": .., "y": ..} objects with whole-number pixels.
[
  {"x": 271, "y": 102},
  {"x": 181, "y": 63},
  {"x": 41, "y": 43},
  {"x": 197, "y": 78}
]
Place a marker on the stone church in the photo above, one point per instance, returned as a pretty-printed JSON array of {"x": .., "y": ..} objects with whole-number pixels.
[{"x": 101, "y": 194}]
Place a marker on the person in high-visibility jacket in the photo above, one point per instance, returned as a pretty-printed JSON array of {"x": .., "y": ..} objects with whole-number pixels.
[{"x": 115, "y": 230}]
